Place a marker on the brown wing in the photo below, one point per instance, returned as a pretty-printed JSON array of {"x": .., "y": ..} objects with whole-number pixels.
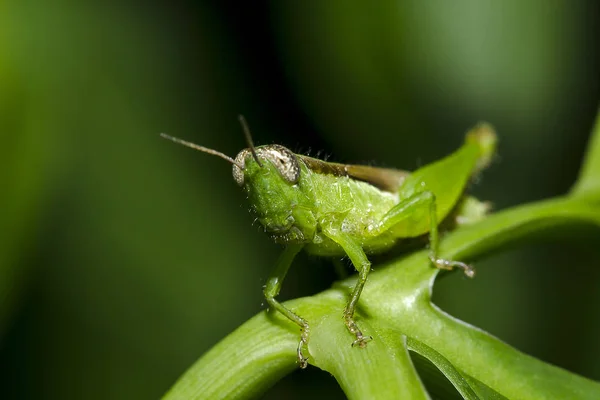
[{"x": 386, "y": 179}]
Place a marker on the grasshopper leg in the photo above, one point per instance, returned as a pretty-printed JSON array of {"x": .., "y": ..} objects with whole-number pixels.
[
  {"x": 272, "y": 289},
  {"x": 405, "y": 209},
  {"x": 362, "y": 264},
  {"x": 441, "y": 263}
]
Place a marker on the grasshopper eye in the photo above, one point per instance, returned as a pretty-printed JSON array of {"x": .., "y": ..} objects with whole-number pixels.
[
  {"x": 240, "y": 159},
  {"x": 284, "y": 160}
]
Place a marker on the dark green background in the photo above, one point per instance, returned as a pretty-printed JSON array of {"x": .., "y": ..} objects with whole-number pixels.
[{"x": 123, "y": 257}]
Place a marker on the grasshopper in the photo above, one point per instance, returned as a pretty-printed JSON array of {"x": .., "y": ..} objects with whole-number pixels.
[{"x": 334, "y": 210}]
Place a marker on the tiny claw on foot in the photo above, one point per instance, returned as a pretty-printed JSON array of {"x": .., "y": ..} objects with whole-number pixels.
[
  {"x": 449, "y": 265},
  {"x": 303, "y": 361},
  {"x": 362, "y": 341}
]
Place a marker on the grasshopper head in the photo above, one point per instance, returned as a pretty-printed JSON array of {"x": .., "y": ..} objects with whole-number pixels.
[
  {"x": 270, "y": 176},
  {"x": 280, "y": 158}
]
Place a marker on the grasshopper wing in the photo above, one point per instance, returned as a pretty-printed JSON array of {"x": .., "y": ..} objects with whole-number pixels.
[{"x": 386, "y": 179}]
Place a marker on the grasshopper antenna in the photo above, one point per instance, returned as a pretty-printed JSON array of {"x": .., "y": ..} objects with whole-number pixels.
[
  {"x": 202, "y": 149},
  {"x": 249, "y": 138}
]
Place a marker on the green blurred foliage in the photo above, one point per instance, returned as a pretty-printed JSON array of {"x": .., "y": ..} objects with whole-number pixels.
[{"x": 123, "y": 257}]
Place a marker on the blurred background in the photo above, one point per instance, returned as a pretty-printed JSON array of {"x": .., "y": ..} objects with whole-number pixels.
[{"x": 125, "y": 257}]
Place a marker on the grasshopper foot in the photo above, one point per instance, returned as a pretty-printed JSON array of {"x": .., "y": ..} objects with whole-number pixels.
[
  {"x": 361, "y": 340},
  {"x": 449, "y": 265},
  {"x": 302, "y": 360}
]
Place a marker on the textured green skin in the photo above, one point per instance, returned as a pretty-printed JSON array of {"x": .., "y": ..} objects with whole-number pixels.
[{"x": 298, "y": 213}]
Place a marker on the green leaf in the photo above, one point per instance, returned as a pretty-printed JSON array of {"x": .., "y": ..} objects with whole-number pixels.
[
  {"x": 246, "y": 363},
  {"x": 444, "y": 366},
  {"x": 386, "y": 370}
]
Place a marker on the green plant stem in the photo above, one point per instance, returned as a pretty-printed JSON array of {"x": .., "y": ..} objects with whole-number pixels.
[{"x": 588, "y": 184}]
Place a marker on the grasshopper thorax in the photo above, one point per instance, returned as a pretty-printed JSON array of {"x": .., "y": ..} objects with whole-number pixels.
[{"x": 284, "y": 161}]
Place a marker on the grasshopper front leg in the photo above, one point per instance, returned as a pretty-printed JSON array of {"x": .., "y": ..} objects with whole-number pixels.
[
  {"x": 272, "y": 289},
  {"x": 405, "y": 210},
  {"x": 363, "y": 266}
]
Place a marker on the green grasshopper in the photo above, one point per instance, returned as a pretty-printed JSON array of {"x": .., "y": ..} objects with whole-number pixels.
[{"x": 335, "y": 210}]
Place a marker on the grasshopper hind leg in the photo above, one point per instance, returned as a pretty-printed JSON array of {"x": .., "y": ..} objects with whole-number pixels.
[
  {"x": 404, "y": 210},
  {"x": 438, "y": 262}
]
